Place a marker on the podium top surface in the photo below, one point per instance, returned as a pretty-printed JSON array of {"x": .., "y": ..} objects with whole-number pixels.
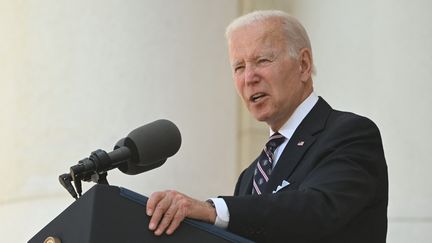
[
  {"x": 111, "y": 214},
  {"x": 138, "y": 198}
]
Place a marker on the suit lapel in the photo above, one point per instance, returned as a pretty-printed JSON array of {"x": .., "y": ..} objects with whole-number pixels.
[
  {"x": 300, "y": 142},
  {"x": 302, "y": 139},
  {"x": 288, "y": 161}
]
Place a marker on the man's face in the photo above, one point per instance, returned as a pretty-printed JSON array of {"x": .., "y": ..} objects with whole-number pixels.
[{"x": 266, "y": 77}]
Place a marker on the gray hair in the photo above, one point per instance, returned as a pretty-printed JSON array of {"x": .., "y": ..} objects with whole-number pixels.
[{"x": 294, "y": 32}]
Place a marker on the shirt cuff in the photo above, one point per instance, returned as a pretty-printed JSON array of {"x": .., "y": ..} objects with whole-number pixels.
[{"x": 222, "y": 213}]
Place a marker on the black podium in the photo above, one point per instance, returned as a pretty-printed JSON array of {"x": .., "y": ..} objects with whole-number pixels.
[{"x": 110, "y": 214}]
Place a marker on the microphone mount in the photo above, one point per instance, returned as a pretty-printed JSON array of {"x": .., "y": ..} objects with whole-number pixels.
[{"x": 94, "y": 168}]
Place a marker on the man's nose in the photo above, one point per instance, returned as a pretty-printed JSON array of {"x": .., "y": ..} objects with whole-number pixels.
[{"x": 251, "y": 75}]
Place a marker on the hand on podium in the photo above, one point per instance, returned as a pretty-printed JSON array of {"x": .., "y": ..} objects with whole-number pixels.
[{"x": 167, "y": 210}]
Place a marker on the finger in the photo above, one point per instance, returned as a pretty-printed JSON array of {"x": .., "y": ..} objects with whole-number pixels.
[
  {"x": 167, "y": 218},
  {"x": 159, "y": 212},
  {"x": 178, "y": 218},
  {"x": 154, "y": 199}
]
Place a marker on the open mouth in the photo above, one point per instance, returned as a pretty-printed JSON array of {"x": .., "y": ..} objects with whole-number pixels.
[{"x": 257, "y": 97}]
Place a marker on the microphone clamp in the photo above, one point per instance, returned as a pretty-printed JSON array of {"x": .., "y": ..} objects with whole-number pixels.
[{"x": 94, "y": 168}]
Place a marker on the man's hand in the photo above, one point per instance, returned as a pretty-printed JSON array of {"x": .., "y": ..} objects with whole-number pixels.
[{"x": 168, "y": 209}]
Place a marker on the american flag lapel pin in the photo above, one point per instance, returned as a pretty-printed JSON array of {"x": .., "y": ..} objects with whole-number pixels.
[{"x": 300, "y": 143}]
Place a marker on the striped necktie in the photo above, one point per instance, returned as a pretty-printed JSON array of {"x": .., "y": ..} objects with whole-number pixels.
[{"x": 264, "y": 164}]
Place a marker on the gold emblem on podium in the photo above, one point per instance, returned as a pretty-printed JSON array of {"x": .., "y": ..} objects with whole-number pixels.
[{"x": 52, "y": 239}]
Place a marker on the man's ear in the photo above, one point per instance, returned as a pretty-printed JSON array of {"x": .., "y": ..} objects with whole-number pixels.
[{"x": 306, "y": 64}]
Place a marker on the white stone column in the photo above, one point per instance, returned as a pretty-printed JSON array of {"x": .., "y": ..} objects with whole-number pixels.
[{"x": 76, "y": 76}]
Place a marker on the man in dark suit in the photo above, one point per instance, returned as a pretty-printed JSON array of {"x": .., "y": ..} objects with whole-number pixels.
[{"x": 322, "y": 177}]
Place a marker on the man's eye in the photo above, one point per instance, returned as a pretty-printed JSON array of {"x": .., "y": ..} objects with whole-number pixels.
[
  {"x": 238, "y": 68},
  {"x": 263, "y": 60}
]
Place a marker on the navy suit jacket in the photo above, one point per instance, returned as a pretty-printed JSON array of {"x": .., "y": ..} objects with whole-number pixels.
[{"x": 338, "y": 189}]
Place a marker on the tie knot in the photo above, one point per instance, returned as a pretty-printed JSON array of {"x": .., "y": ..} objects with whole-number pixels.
[{"x": 274, "y": 141}]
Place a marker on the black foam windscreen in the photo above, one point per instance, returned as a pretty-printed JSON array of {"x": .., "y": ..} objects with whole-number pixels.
[{"x": 150, "y": 146}]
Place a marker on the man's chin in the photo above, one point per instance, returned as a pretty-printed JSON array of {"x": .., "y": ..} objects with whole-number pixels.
[
  {"x": 260, "y": 117},
  {"x": 261, "y": 113}
]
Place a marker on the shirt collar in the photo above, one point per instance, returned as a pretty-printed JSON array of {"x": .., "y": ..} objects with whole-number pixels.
[{"x": 287, "y": 130}]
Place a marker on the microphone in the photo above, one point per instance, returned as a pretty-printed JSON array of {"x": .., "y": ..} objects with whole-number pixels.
[
  {"x": 150, "y": 146},
  {"x": 132, "y": 168},
  {"x": 145, "y": 148}
]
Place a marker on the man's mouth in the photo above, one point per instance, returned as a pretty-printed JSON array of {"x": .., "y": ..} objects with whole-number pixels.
[{"x": 257, "y": 97}]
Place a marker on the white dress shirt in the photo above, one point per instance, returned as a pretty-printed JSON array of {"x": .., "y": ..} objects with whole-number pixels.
[{"x": 287, "y": 130}]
